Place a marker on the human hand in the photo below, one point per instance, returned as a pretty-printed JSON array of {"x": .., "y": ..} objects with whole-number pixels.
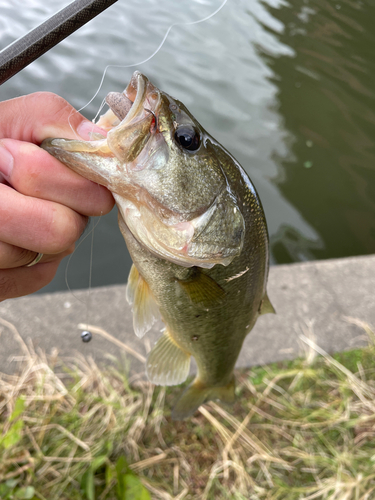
[{"x": 44, "y": 206}]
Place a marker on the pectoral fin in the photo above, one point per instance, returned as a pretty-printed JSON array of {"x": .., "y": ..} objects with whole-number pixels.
[
  {"x": 167, "y": 364},
  {"x": 197, "y": 394},
  {"x": 203, "y": 290},
  {"x": 266, "y": 306},
  {"x": 145, "y": 309}
]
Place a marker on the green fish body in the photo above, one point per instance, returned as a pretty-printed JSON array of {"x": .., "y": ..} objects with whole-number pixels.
[{"x": 196, "y": 232}]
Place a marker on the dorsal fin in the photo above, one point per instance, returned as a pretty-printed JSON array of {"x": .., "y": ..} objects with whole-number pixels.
[{"x": 145, "y": 309}]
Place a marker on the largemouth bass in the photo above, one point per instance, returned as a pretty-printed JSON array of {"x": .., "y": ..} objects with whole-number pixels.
[{"x": 195, "y": 229}]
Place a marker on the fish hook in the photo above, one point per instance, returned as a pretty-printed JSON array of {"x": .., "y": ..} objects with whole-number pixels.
[{"x": 155, "y": 118}]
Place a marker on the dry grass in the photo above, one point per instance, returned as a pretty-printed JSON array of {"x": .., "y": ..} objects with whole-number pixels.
[{"x": 299, "y": 430}]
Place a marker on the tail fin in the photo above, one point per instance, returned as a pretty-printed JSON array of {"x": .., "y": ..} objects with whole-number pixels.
[{"x": 197, "y": 394}]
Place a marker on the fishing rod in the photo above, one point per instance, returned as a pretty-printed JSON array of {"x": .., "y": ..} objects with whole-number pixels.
[{"x": 38, "y": 41}]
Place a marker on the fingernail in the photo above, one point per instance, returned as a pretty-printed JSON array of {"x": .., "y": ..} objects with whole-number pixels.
[
  {"x": 85, "y": 129},
  {"x": 6, "y": 162}
]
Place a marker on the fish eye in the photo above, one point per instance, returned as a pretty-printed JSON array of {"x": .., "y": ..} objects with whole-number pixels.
[{"x": 187, "y": 137}]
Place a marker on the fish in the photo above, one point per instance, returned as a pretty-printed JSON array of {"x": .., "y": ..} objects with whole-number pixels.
[{"x": 196, "y": 232}]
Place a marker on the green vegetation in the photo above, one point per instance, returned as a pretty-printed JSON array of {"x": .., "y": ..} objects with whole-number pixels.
[{"x": 302, "y": 429}]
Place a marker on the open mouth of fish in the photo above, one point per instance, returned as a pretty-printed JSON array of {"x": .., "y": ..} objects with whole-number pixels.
[{"x": 126, "y": 160}]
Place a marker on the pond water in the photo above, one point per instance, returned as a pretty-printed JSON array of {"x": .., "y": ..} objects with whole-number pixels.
[{"x": 287, "y": 87}]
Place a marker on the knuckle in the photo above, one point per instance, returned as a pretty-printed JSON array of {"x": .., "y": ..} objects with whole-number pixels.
[
  {"x": 27, "y": 174},
  {"x": 8, "y": 286},
  {"x": 53, "y": 104},
  {"x": 57, "y": 106},
  {"x": 63, "y": 235},
  {"x": 53, "y": 111},
  {"x": 12, "y": 256},
  {"x": 68, "y": 251},
  {"x": 21, "y": 256}
]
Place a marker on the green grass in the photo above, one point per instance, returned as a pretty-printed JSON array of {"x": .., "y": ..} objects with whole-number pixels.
[{"x": 302, "y": 429}]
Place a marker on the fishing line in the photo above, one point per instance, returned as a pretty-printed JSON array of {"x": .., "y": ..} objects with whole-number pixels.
[
  {"x": 99, "y": 110},
  {"x": 86, "y": 335},
  {"x": 88, "y": 303},
  {"x": 189, "y": 23},
  {"x": 91, "y": 257}
]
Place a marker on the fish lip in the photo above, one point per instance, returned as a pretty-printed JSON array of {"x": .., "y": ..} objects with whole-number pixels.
[
  {"x": 140, "y": 98},
  {"x": 134, "y": 85},
  {"x": 139, "y": 91}
]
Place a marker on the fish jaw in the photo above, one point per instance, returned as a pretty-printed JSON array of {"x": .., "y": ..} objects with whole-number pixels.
[
  {"x": 89, "y": 159},
  {"x": 106, "y": 160}
]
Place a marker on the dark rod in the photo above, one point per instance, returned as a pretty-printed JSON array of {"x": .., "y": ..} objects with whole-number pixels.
[{"x": 42, "y": 38}]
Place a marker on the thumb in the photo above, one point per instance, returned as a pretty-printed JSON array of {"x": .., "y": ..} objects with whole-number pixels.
[{"x": 35, "y": 117}]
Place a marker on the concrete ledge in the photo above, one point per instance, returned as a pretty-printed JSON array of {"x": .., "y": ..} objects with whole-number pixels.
[{"x": 314, "y": 296}]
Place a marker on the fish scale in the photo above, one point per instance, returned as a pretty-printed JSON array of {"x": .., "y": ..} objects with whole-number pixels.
[{"x": 195, "y": 229}]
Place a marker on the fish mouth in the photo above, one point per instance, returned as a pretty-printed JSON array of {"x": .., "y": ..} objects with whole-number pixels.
[
  {"x": 131, "y": 102},
  {"x": 128, "y": 125},
  {"x": 131, "y": 119}
]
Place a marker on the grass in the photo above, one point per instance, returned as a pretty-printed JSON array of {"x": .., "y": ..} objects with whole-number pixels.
[{"x": 303, "y": 429}]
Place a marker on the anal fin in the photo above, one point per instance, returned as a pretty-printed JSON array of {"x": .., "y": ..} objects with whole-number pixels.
[
  {"x": 167, "y": 364},
  {"x": 145, "y": 309}
]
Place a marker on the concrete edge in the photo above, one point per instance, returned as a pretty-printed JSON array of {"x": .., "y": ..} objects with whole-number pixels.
[{"x": 315, "y": 299}]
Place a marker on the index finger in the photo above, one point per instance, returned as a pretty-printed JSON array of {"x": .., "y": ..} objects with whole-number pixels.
[{"x": 33, "y": 172}]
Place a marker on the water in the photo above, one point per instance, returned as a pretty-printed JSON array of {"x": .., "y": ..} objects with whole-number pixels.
[{"x": 286, "y": 87}]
